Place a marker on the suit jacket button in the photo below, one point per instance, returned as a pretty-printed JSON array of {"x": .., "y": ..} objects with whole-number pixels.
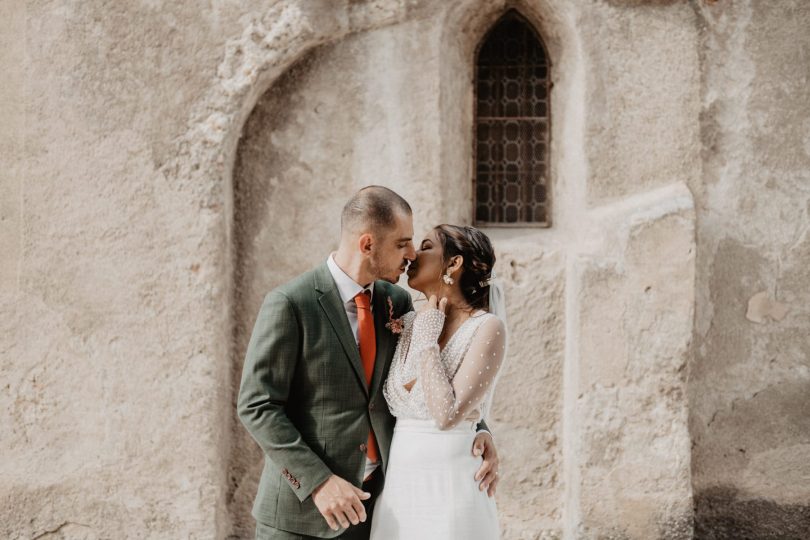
[
  {"x": 363, "y": 447},
  {"x": 371, "y": 407}
]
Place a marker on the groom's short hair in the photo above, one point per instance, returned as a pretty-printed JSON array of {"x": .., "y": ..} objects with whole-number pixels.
[{"x": 373, "y": 208}]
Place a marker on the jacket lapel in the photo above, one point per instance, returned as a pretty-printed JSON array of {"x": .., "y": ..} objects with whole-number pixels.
[
  {"x": 383, "y": 337},
  {"x": 336, "y": 315}
]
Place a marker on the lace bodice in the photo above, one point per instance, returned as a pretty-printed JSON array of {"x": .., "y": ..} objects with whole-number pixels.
[{"x": 454, "y": 384}]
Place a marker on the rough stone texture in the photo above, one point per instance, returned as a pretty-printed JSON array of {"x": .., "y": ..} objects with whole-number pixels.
[
  {"x": 641, "y": 94},
  {"x": 112, "y": 322},
  {"x": 749, "y": 393},
  {"x": 527, "y": 412},
  {"x": 633, "y": 319},
  {"x": 163, "y": 165},
  {"x": 12, "y": 111}
]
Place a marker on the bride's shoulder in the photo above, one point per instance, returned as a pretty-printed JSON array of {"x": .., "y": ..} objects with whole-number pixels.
[
  {"x": 485, "y": 316},
  {"x": 490, "y": 323}
]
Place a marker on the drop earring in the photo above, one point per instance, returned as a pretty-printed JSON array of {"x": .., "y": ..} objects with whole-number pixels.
[{"x": 447, "y": 279}]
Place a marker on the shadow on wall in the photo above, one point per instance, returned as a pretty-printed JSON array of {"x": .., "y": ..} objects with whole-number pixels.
[{"x": 720, "y": 513}]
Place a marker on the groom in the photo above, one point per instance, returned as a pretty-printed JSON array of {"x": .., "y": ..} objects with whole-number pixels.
[{"x": 311, "y": 392}]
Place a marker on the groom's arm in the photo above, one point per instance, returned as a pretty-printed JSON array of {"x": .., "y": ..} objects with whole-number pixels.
[
  {"x": 267, "y": 377},
  {"x": 482, "y": 426}
]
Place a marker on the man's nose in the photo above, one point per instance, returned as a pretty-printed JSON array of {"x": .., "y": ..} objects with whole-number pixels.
[{"x": 411, "y": 255}]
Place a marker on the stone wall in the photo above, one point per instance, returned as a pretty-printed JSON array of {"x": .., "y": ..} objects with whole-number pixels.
[
  {"x": 113, "y": 315},
  {"x": 749, "y": 392},
  {"x": 164, "y": 165}
]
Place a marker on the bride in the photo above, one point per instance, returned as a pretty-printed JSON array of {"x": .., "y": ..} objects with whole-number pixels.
[{"x": 439, "y": 386}]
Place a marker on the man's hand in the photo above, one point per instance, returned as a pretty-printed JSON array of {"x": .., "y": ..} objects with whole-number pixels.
[
  {"x": 339, "y": 502},
  {"x": 483, "y": 445}
]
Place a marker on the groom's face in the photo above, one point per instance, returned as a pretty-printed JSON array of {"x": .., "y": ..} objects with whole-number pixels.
[{"x": 393, "y": 249}]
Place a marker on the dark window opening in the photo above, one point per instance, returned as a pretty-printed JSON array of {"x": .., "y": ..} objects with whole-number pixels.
[{"x": 512, "y": 87}]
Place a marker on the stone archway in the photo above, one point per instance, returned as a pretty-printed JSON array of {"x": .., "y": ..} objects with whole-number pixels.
[
  {"x": 592, "y": 455},
  {"x": 357, "y": 110},
  {"x": 203, "y": 166}
]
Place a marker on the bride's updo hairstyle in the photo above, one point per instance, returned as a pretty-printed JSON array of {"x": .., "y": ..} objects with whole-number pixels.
[{"x": 479, "y": 258}]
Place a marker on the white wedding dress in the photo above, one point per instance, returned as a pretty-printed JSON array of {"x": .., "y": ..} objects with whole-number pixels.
[{"x": 430, "y": 491}]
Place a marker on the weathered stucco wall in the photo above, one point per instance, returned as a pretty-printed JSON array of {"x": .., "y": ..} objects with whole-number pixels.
[
  {"x": 111, "y": 318},
  {"x": 633, "y": 320},
  {"x": 750, "y": 382},
  {"x": 164, "y": 165}
]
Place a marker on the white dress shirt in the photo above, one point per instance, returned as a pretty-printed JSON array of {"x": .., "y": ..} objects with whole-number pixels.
[{"x": 348, "y": 289}]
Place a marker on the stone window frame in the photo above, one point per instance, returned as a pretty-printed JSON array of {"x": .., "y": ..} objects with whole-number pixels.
[{"x": 547, "y": 203}]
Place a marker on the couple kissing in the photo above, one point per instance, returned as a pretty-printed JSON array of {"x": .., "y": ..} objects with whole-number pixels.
[{"x": 371, "y": 415}]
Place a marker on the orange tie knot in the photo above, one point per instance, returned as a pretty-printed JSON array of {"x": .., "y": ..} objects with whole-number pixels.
[{"x": 363, "y": 299}]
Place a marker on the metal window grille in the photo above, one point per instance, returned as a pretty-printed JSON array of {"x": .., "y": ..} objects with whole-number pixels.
[{"x": 512, "y": 126}]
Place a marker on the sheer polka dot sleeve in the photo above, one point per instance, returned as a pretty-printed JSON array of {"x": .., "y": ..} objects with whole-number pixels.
[{"x": 451, "y": 397}]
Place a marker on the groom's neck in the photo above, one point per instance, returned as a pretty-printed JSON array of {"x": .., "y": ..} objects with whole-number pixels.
[{"x": 354, "y": 264}]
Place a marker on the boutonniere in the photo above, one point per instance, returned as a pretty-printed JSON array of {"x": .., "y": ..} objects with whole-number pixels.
[{"x": 395, "y": 325}]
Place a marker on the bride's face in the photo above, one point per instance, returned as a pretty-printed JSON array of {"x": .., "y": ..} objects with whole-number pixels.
[{"x": 425, "y": 273}]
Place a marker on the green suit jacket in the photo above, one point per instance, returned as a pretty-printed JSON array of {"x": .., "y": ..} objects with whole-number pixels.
[{"x": 304, "y": 397}]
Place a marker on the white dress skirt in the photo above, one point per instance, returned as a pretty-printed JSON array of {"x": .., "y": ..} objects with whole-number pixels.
[{"x": 430, "y": 489}]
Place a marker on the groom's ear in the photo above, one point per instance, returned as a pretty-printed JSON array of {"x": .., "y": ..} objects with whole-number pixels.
[{"x": 364, "y": 242}]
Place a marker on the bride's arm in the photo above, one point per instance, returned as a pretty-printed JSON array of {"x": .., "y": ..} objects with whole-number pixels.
[{"x": 451, "y": 399}]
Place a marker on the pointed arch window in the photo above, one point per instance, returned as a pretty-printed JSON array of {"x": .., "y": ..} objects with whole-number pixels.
[{"x": 512, "y": 111}]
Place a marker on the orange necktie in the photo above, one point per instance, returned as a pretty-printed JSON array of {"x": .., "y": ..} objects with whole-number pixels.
[{"x": 368, "y": 351}]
